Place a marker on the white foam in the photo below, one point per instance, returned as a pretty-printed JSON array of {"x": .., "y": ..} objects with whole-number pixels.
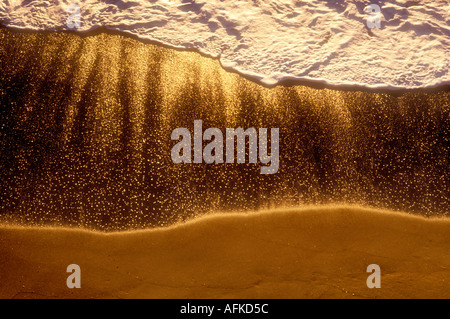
[{"x": 324, "y": 41}]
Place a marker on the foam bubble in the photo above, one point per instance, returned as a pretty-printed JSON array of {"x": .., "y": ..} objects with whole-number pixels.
[{"x": 272, "y": 41}]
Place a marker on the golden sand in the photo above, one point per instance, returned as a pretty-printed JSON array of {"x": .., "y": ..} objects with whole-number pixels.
[
  {"x": 298, "y": 253},
  {"x": 86, "y": 123}
]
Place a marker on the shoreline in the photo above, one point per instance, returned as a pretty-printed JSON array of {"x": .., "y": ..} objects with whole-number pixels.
[
  {"x": 85, "y": 156},
  {"x": 14, "y": 226},
  {"x": 287, "y": 82},
  {"x": 86, "y": 138}
]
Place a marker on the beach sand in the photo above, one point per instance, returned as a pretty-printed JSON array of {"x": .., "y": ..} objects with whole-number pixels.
[
  {"x": 85, "y": 144},
  {"x": 86, "y": 123},
  {"x": 297, "y": 253}
]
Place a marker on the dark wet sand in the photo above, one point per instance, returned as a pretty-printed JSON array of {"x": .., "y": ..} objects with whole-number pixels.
[{"x": 85, "y": 125}]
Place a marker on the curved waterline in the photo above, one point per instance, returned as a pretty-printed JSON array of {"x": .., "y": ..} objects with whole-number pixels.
[{"x": 86, "y": 123}]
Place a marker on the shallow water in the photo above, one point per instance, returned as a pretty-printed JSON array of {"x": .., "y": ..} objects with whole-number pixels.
[{"x": 85, "y": 125}]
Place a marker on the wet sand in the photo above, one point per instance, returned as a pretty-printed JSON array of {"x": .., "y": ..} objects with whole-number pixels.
[
  {"x": 85, "y": 144},
  {"x": 298, "y": 253},
  {"x": 85, "y": 137}
]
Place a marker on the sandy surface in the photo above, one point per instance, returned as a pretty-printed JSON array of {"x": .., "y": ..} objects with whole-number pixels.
[
  {"x": 86, "y": 124},
  {"x": 309, "y": 253}
]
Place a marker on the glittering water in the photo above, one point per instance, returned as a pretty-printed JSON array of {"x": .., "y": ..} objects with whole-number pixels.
[{"x": 85, "y": 125}]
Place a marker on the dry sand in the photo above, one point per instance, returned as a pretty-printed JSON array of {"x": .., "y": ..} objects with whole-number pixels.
[{"x": 303, "y": 253}]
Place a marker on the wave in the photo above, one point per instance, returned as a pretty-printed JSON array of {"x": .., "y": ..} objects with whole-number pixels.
[{"x": 273, "y": 42}]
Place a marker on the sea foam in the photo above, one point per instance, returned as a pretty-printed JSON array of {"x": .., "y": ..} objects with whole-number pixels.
[{"x": 271, "y": 41}]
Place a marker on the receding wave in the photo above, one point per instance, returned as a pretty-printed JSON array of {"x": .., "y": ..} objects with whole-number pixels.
[{"x": 319, "y": 42}]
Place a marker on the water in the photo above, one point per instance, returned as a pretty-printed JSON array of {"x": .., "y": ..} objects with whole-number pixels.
[
  {"x": 85, "y": 125},
  {"x": 320, "y": 42}
]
